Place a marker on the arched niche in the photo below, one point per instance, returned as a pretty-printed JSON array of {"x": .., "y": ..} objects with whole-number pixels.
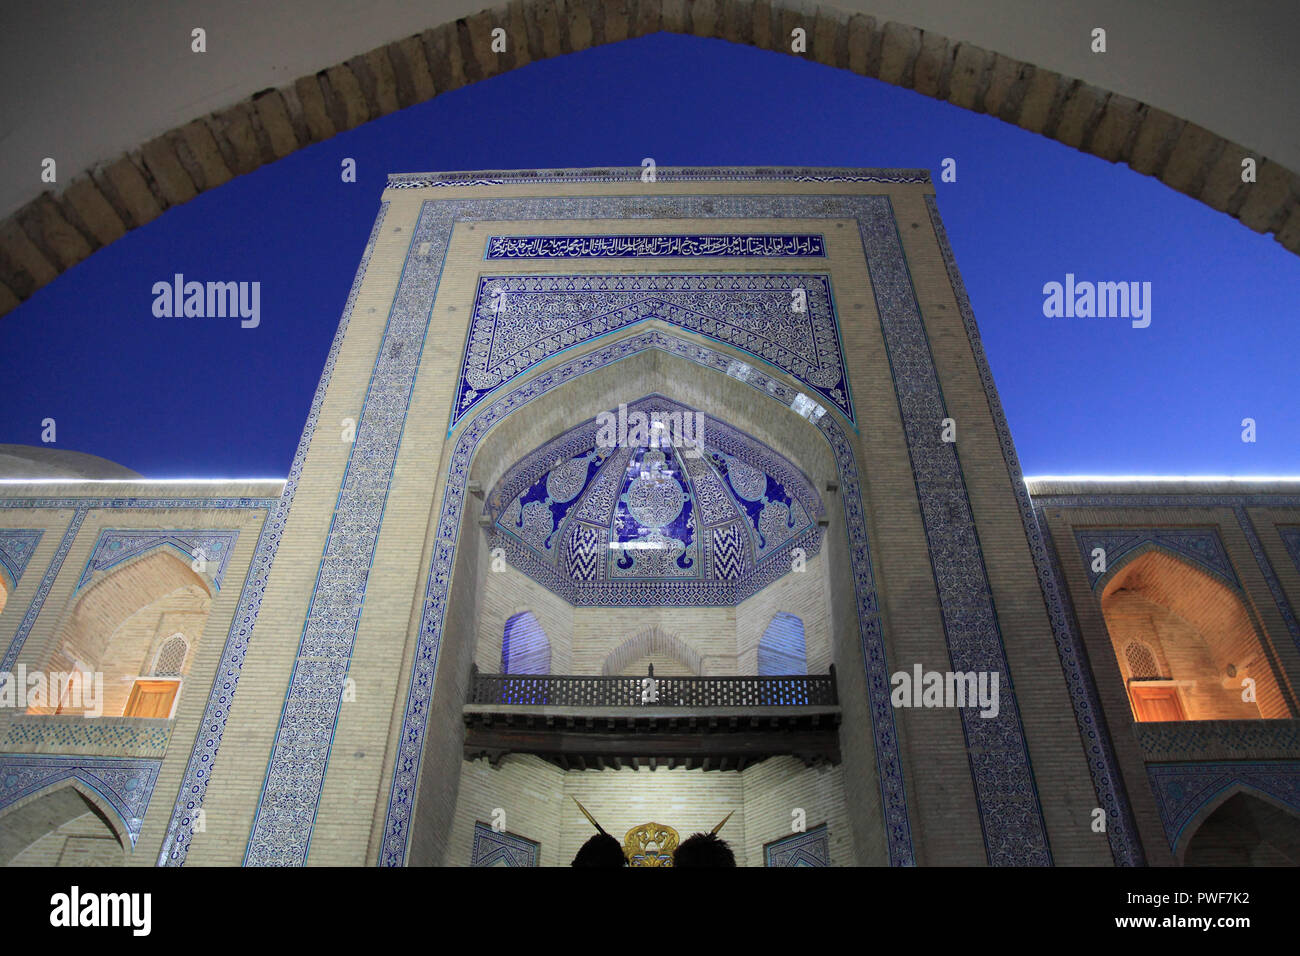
[
  {"x": 1201, "y": 638},
  {"x": 670, "y": 656},
  {"x": 782, "y": 650},
  {"x": 1242, "y": 826},
  {"x": 525, "y": 648},
  {"x": 66, "y": 824},
  {"x": 649, "y": 369},
  {"x": 116, "y": 626}
]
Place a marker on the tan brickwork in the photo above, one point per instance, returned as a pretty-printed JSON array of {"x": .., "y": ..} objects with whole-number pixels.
[
  {"x": 1108, "y": 674},
  {"x": 159, "y": 609},
  {"x": 120, "y": 618}
]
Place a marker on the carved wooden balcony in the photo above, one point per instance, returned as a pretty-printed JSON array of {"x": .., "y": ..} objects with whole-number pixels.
[{"x": 714, "y": 723}]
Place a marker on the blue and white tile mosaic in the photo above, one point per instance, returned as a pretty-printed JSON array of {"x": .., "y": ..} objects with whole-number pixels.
[
  {"x": 1201, "y": 546},
  {"x": 126, "y": 783},
  {"x": 209, "y": 550},
  {"x": 812, "y": 848},
  {"x": 650, "y": 524},
  {"x": 1218, "y": 739},
  {"x": 134, "y": 737},
  {"x": 501, "y": 849},
  {"x": 1125, "y": 847},
  {"x": 17, "y": 545},
  {"x": 521, "y": 321},
  {"x": 773, "y": 246},
  {"x": 1013, "y": 828},
  {"x": 198, "y": 770},
  {"x": 297, "y": 766},
  {"x": 407, "y": 769},
  {"x": 1010, "y": 814}
]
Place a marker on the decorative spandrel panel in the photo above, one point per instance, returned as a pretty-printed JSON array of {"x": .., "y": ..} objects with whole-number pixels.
[{"x": 654, "y": 504}]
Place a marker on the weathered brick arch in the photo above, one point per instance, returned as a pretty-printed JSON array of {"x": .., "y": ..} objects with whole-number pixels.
[{"x": 55, "y": 232}]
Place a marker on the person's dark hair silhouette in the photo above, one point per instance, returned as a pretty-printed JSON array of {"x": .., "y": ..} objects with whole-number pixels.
[
  {"x": 601, "y": 850},
  {"x": 704, "y": 849}
]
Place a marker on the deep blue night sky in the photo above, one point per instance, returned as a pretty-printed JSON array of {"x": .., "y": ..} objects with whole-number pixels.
[{"x": 205, "y": 398}]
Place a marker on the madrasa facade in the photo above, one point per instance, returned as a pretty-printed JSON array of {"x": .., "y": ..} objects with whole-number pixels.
[{"x": 683, "y": 495}]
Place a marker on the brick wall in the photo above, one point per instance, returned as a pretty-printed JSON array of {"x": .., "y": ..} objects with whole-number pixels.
[{"x": 536, "y": 798}]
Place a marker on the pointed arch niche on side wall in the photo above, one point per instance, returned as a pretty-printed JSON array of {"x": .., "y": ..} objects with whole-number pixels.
[
  {"x": 782, "y": 649},
  {"x": 1201, "y": 639},
  {"x": 118, "y": 624},
  {"x": 525, "y": 648}
]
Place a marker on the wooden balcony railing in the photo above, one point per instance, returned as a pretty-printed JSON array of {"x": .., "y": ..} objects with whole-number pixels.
[{"x": 797, "y": 690}]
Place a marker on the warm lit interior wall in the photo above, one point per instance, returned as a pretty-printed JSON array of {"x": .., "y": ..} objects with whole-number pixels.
[
  {"x": 1198, "y": 630},
  {"x": 118, "y": 622}
]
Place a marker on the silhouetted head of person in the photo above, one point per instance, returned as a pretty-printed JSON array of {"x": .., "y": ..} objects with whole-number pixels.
[
  {"x": 704, "y": 849},
  {"x": 601, "y": 850}
]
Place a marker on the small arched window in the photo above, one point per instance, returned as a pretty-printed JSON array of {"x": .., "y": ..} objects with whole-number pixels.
[
  {"x": 782, "y": 650},
  {"x": 1141, "y": 662},
  {"x": 524, "y": 647},
  {"x": 171, "y": 656}
]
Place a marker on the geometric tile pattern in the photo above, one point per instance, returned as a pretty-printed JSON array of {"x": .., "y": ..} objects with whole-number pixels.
[
  {"x": 1201, "y": 546},
  {"x": 17, "y": 546},
  {"x": 812, "y": 848},
  {"x": 109, "y": 736},
  {"x": 640, "y": 247},
  {"x": 126, "y": 783},
  {"x": 1266, "y": 568},
  {"x": 1218, "y": 739},
  {"x": 520, "y": 321},
  {"x": 650, "y": 524},
  {"x": 693, "y": 174},
  {"x": 42, "y": 589},
  {"x": 203, "y": 754},
  {"x": 1182, "y": 789},
  {"x": 1011, "y": 816},
  {"x": 1121, "y": 831},
  {"x": 1012, "y": 821},
  {"x": 115, "y": 546},
  {"x": 501, "y": 849}
]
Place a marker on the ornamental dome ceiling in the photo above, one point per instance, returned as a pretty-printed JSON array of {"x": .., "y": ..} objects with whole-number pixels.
[{"x": 633, "y": 508}]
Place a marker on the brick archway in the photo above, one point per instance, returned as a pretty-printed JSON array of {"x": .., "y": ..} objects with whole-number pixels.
[{"x": 56, "y": 231}]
